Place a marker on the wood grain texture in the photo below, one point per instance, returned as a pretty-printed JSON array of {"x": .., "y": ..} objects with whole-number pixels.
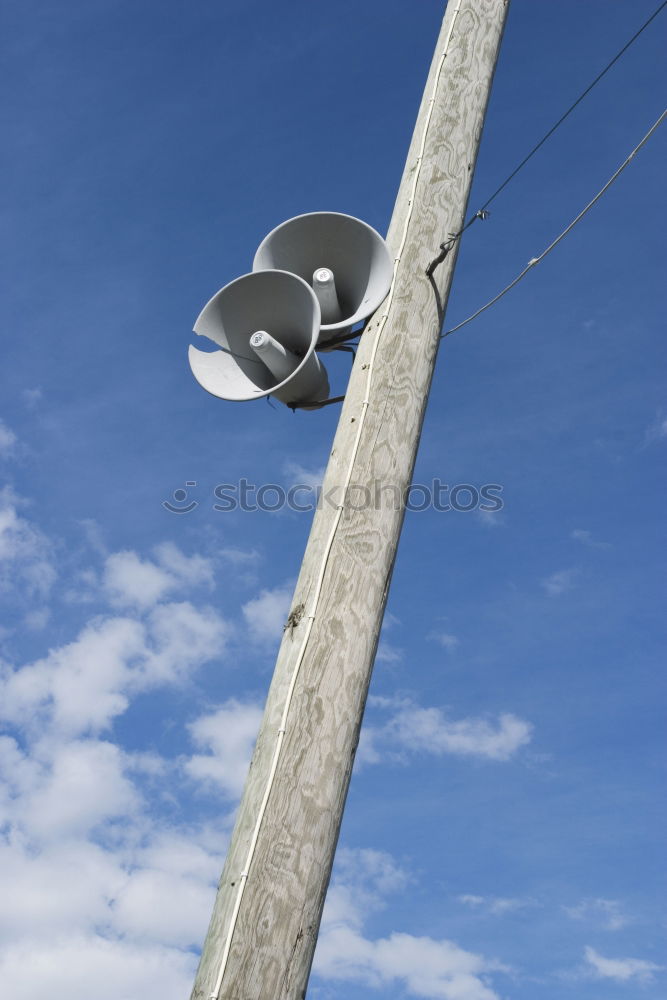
[{"x": 276, "y": 931}]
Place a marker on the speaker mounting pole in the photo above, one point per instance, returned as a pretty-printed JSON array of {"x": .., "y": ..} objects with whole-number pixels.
[{"x": 267, "y": 912}]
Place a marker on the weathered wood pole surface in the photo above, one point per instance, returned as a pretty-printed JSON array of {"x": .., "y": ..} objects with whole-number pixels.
[{"x": 275, "y": 905}]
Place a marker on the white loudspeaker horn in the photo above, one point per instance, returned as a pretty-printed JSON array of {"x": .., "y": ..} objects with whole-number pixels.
[
  {"x": 346, "y": 262},
  {"x": 266, "y": 324}
]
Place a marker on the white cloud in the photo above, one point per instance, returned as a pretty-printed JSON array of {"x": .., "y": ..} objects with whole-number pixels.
[
  {"x": 239, "y": 557},
  {"x": 97, "y": 885},
  {"x": 190, "y": 852},
  {"x": 82, "y": 686},
  {"x": 18, "y": 773},
  {"x": 622, "y": 970},
  {"x": 94, "y": 536},
  {"x": 131, "y": 581},
  {"x": 266, "y": 615},
  {"x": 31, "y": 397},
  {"x": 362, "y": 878},
  {"x": 300, "y": 476},
  {"x": 26, "y": 555},
  {"x": 423, "y": 966},
  {"x": 390, "y": 620},
  {"x": 161, "y": 906},
  {"x": 368, "y": 751},
  {"x": 388, "y": 653},
  {"x": 122, "y": 911},
  {"x": 586, "y": 538},
  {"x": 147, "y": 892},
  {"x": 503, "y": 904},
  {"x": 81, "y": 786},
  {"x": 370, "y": 869},
  {"x": 182, "y": 638},
  {"x": 66, "y": 885},
  {"x": 470, "y": 900},
  {"x": 489, "y": 518},
  {"x": 135, "y": 582},
  {"x": 412, "y": 729},
  {"x": 7, "y": 440},
  {"x": 228, "y": 735},
  {"x": 37, "y": 619},
  {"x": 66, "y": 966},
  {"x": 429, "y": 730},
  {"x": 445, "y": 639},
  {"x": 495, "y": 905},
  {"x": 606, "y": 912},
  {"x": 657, "y": 431},
  {"x": 560, "y": 582},
  {"x": 191, "y": 570},
  {"x": 78, "y": 687}
]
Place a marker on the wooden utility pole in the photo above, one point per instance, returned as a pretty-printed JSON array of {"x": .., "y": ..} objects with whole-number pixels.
[{"x": 264, "y": 927}]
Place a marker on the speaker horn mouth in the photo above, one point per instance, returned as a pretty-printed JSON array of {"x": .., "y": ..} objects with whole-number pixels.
[
  {"x": 350, "y": 250},
  {"x": 280, "y": 313}
]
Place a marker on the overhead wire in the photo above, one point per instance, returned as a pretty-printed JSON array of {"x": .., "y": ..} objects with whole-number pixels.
[
  {"x": 536, "y": 260},
  {"x": 483, "y": 212},
  {"x": 571, "y": 108}
]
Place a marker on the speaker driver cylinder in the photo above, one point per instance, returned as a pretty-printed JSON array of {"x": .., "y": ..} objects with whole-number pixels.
[
  {"x": 278, "y": 359},
  {"x": 324, "y": 286}
]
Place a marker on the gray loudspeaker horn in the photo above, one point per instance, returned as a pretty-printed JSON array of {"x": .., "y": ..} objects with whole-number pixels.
[
  {"x": 345, "y": 261},
  {"x": 266, "y": 325}
]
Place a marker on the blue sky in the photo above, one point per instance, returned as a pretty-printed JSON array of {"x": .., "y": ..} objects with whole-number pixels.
[{"x": 503, "y": 832}]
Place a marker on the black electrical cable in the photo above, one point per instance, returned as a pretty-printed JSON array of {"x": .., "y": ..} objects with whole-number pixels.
[
  {"x": 570, "y": 109},
  {"x": 536, "y": 260},
  {"x": 483, "y": 212}
]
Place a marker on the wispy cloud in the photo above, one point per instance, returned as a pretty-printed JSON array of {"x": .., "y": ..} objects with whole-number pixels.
[
  {"x": 447, "y": 640},
  {"x": 586, "y": 538},
  {"x": 656, "y": 431},
  {"x": 560, "y": 582},
  {"x": 227, "y": 735},
  {"x": 31, "y": 397},
  {"x": 120, "y": 968},
  {"x": 239, "y": 557},
  {"x": 302, "y": 476},
  {"x": 495, "y": 905},
  {"x": 132, "y": 581},
  {"x": 388, "y": 653},
  {"x": 390, "y": 620},
  {"x": 7, "y": 440},
  {"x": 94, "y": 536},
  {"x": 490, "y": 518},
  {"x": 431, "y": 968},
  {"x": 81, "y": 687},
  {"x": 605, "y": 912},
  {"x": 37, "y": 619},
  {"x": 622, "y": 970},
  {"x": 27, "y": 558},
  {"x": 413, "y": 729},
  {"x": 266, "y": 614},
  {"x": 98, "y": 884},
  {"x": 430, "y": 730}
]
